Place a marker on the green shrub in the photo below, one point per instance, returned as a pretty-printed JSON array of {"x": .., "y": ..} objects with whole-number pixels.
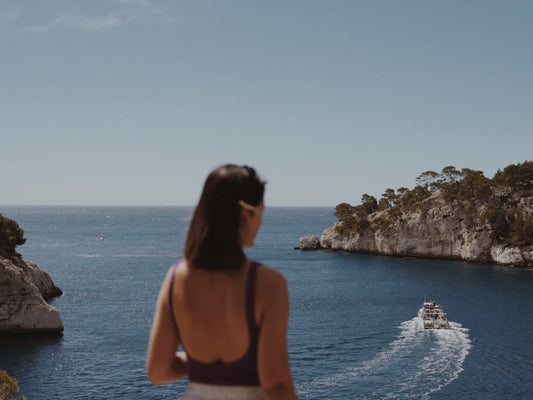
[
  {"x": 11, "y": 235},
  {"x": 496, "y": 217},
  {"x": 8, "y": 387},
  {"x": 521, "y": 231},
  {"x": 352, "y": 224},
  {"x": 515, "y": 174},
  {"x": 347, "y": 226},
  {"x": 362, "y": 224},
  {"x": 381, "y": 222},
  {"x": 344, "y": 211}
]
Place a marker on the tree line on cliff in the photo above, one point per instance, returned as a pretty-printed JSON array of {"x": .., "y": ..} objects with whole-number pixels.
[{"x": 495, "y": 200}]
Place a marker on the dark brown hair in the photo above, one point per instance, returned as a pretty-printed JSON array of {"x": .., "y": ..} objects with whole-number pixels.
[{"x": 213, "y": 237}]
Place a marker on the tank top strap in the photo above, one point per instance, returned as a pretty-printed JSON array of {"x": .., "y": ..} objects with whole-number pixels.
[
  {"x": 250, "y": 297},
  {"x": 170, "y": 300}
]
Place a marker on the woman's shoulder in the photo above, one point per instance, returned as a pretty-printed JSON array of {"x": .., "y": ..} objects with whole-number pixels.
[
  {"x": 176, "y": 274},
  {"x": 270, "y": 279},
  {"x": 179, "y": 268},
  {"x": 272, "y": 297}
]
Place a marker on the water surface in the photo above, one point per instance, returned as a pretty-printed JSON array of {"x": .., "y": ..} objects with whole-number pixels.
[{"x": 353, "y": 331}]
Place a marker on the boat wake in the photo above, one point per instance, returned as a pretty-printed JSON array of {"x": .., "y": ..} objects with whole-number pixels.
[{"x": 415, "y": 365}]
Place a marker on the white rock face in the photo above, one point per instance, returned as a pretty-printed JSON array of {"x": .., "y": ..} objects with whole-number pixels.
[
  {"x": 310, "y": 242},
  {"x": 512, "y": 256},
  {"x": 41, "y": 279},
  {"x": 22, "y": 306},
  {"x": 434, "y": 230}
]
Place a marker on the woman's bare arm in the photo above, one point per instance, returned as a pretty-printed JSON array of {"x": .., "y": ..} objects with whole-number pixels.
[
  {"x": 163, "y": 363},
  {"x": 273, "y": 359}
]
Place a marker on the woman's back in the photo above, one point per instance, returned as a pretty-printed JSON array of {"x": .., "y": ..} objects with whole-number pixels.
[{"x": 211, "y": 309}]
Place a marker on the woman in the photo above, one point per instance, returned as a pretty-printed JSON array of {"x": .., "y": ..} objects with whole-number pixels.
[{"x": 230, "y": 314}]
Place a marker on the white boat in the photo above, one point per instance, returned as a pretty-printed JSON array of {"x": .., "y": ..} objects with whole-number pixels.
[{"x": 433, "y": 316}]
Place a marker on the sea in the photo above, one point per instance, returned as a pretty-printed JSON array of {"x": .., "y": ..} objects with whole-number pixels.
[{"x": 353, "y": 329}]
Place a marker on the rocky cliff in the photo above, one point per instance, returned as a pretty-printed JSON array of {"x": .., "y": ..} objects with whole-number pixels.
[
  {"x": 493, "y": 224},
  {"x": 23, "y": 290}
]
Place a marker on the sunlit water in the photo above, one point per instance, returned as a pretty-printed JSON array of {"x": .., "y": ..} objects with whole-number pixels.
[{"x": 353, "y": 330}]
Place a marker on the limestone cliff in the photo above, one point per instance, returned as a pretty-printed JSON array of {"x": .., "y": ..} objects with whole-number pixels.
[
  {"x": 24, "y": 287},
  {"x": 23, "y": 290},
  {"x": 493, "y": 223}
]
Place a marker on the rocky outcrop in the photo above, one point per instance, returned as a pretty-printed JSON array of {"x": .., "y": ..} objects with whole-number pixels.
[
  {"x": 23, "y": 290},
  {"x": 309, "y": 243},
  {"x": 436, "y": 229}
]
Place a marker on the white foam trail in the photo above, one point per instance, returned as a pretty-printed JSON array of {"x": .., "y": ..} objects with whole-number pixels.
[{"x": 419, "y": 362}]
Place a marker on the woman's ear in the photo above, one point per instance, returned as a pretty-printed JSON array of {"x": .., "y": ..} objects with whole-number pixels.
[
  {"x": 242, "y": 216},
  {"x": 245, "y": 215}
]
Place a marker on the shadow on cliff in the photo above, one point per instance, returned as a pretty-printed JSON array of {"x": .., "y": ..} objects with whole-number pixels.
[{"x": 23, "y": 344}]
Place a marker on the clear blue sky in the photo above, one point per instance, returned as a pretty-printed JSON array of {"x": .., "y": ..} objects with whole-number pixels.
[{"x": 133, "y": 102}]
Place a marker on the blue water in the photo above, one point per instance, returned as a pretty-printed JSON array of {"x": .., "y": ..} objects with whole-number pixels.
[{"x": 353, "y": 331}]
